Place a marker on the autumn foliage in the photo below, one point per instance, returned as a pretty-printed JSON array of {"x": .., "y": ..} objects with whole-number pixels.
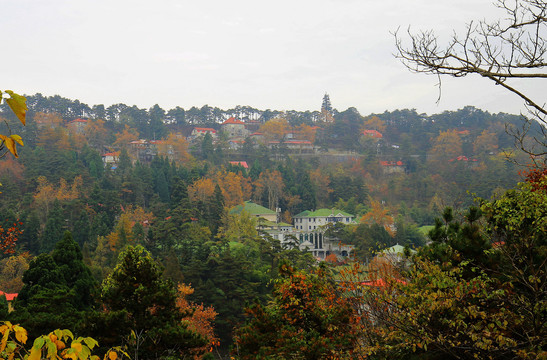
[
  {"x": 200, "y": 320},
  {"x": 9, "y": 236}
]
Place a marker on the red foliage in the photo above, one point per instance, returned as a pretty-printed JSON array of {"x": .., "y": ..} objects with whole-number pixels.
[
  {"x": 537, "y": 177},
  {"x": 8, "y": 237}
]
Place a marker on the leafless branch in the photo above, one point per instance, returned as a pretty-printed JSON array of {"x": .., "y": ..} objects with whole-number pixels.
[{"x": 511, "y": 48}]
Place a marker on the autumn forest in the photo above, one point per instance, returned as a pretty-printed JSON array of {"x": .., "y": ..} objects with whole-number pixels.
[{"x": 119, "y": 236}]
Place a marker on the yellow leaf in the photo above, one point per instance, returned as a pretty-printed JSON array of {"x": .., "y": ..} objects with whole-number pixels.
[
  {"x": 4, "y": 341},
  {"x": 20, "y": 334},
  {"x": 17, "y": 139},
  {"x": 18, "y": 105},
  {"x": 10, "y": 144},
  {"x": 76, "y": 346},
  {"x": 35, "y": 354}
]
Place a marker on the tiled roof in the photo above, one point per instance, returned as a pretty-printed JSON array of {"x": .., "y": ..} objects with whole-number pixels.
[
  {"x": 114, "y": 154},
  {"x": 463, "y": 158},
  {"x": 240, "y": 163},
  {"x": 9, "y": 297},
  {"x": 205, "y": 130},
  {"x": 233, "y": 121},
  {"x": 323, "y": 213},
  {"x": 391, "y": 163},
  {"x": 251, "y": 208},
  {"x": 373, "y": 133}
]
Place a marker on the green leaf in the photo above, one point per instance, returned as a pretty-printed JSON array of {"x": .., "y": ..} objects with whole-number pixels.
[
  {"x": 38, "y": 343},
  {"x": 18, "y": 105},
  {"x": 91, "y": 342}
]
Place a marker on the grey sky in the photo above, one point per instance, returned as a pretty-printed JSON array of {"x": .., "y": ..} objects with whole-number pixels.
[{"x": 278, "y": 54}]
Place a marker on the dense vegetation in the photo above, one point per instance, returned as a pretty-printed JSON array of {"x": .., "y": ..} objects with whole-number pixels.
[{"x": 165, "y": 218}]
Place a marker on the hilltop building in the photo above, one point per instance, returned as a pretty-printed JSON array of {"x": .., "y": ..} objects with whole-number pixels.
[
  {"x": 234, "y": 128},
  {"x": 307, "y": 232}
]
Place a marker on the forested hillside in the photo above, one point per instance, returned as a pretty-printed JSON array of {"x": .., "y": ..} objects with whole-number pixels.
[{"x": 131, "y": 183}]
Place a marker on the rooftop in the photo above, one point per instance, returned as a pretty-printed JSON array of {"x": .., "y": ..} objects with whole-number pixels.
[
  {"x": 251, "y": 208},
  {"x": 323, "y": 213},
  {"x": 233, "y": 120}
]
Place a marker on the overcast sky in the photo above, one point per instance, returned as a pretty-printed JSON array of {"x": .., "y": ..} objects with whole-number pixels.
[{"x": 279, "y": 54}]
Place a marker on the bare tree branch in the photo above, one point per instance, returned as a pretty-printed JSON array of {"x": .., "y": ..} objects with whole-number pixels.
[{"x": 511, "y": 48}]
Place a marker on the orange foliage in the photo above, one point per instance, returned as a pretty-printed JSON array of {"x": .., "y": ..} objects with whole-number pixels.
[
  {"x": 44, "y": 196},
  {"x": 275, "y": 129},
  {"x": 12, "y": 169},
  {"x": 201, "y": 190},
  {"x": 96, "y": 133},
  {"x": 123, "y": 230},
  {"x": 126, "y": 136},
  {"x": 379, "y": 215},
  {"x": 235, "y": 188},
  {"x": 47, "y": 120},
  {"x": 485, "y": 143},
  {"x": 201, "y": 318},
  {"x": 54, "y": 137},
  {"x": 306, "y": 132},
  {"x": 322, "y": 183},
  {"x": 175, "y": 147},
  {"x": 374, "y": 123},
  {"x": 272, "y": 183}
]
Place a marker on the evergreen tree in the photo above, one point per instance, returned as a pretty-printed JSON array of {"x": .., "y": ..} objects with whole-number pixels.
[
  {"x": 161, "y": 187},
  {"x": 53, "y": 231},
  {"x": 30, "y": 238},
  {"x": 58, "y": 290},
  {"x": 82, "y": 229},
  {"x": 207, "y": 148},
  {"x": 138, "y": 299},
  {"x": 124, "y": 162}
]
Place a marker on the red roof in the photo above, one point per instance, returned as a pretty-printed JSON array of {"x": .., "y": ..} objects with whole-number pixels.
[
  {"x": 157, "y": 142},
  {"x": 240, "y": 163},
  {"x": 205, "y": 130},
  {"x": 391, "y": 163},
  {"x": 373, "y": 133},
  {"x": 78, "y": 120},
  {"x": 463, "y": 158},
  {"x": 9, "y": 297},
  {"x": 114, "y": 154},
  {"x": 233, "y": 120}
]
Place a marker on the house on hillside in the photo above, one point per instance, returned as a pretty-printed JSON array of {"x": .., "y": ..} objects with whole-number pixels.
[
  {"x": 198, "y": 132},
  {"x": 234, "y": 128},
  {"x": 256, "y": 211},
  {"x": 373, "y": 134},
  {"x": 9, "y": 299},
  {"x": 310, "y": 227},
  {"x": 393, "y": 167},
  {"x": 308, "y": 231},
  {"x": 243, "y": 164},
  {"x": 469, "y": 162},
  {"x": 77, "y": 126},
  {"x": 111, "y": 158}
]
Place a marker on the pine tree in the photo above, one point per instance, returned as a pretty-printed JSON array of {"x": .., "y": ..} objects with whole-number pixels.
[
  {"x": 30, "y": 238},
  {"x": 54, "y": 228},
  {"x": 58, "y": 290},
  {"x": 139, "y": 300},
  {"x": 82, "y": 229}
]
